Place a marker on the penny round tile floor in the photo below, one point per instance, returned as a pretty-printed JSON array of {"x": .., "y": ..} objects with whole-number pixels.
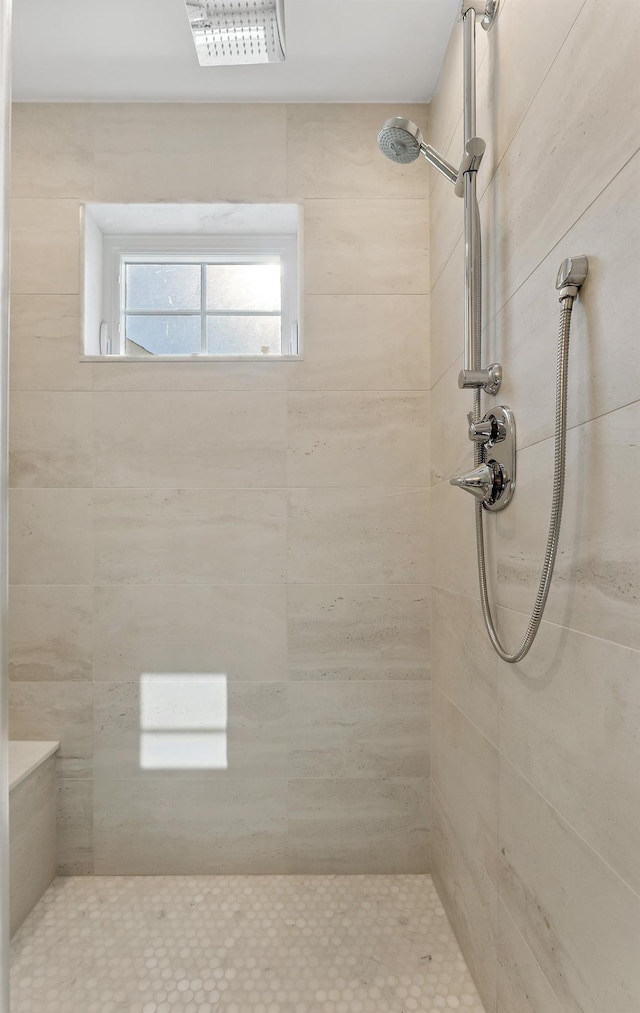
[{"x": 239, "y": 944}]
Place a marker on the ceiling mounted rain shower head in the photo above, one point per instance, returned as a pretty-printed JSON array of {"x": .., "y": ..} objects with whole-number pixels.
[
  {"x": 228, "y": 32},
  {"x": 400, "y": 140}
]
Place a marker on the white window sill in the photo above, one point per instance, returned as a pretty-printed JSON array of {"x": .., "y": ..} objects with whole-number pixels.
[{"x": 191, "y": 358}]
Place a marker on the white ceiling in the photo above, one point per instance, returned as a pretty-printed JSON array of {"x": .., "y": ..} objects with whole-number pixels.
[{"x": 142, "y": 50}]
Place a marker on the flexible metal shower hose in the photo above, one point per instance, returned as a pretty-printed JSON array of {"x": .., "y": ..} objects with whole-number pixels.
[{"x": 560, "y": 441}]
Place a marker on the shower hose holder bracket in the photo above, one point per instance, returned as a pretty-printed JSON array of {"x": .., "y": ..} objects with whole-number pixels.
[
  {"x": 485, "y": 10},
  {"x": 489, "y": 379},
  {"x": 494, "y": 482}
]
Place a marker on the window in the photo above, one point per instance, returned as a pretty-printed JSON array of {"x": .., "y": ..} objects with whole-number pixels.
[{"x": 175, "y": 294}]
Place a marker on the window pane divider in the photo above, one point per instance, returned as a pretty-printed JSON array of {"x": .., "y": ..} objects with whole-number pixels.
[
  {"x": 203, "y": 306},
  {"x": 201, "y": 252}
]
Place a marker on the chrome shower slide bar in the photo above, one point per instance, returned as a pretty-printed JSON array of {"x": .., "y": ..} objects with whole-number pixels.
[{"x": 472, "y": 373}]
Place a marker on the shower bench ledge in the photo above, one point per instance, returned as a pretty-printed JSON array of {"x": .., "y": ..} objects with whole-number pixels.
[{"x": 32, "y": 824}]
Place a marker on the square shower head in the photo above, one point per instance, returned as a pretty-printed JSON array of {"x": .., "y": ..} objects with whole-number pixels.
[{"x": 228, "y": 32}]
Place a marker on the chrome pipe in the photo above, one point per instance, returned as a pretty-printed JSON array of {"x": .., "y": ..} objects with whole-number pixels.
[
  {"x": 469, "y": 59},
  {"x": 471, "y": 357},
  {"x": 439, "y": 162},
  {"x": 472, "y": 375}
]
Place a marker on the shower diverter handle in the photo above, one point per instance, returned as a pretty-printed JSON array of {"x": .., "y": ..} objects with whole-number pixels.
[{"x": 489, "y": 430}]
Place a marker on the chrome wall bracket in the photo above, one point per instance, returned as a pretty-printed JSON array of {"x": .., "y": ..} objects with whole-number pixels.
[
  {"x": 494, "y": 482},
  {"x": 485, "y": 10},
  {"x": 489, "y": 379}
]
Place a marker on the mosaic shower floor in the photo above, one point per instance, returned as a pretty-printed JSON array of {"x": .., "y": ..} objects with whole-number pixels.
[{"x": 239, "y": 944}]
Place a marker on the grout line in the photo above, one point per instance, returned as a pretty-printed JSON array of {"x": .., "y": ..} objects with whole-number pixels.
[
  {"x": 583, "y": 424},
  {"x": 563, "y": 820},
  {"x": 539, "y": 88},
  {"x": 270, "y": 584},
  {"x": 464, "y": 715},
  {"x": 218, "y": 490},
  {"x": 572, "y": 629},
  {"x": 515, "y": 925},
  {"x": 252, "y": 391},
  {"x": 564, "y": 235}
]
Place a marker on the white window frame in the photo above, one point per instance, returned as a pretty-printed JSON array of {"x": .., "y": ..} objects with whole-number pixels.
[{"x": 118, "y": 250}]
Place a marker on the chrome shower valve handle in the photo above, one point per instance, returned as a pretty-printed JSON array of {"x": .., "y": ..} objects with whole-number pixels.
[
  {"x": 486, "y": 483},
  {"x": 488, "y": 431},
  {"x": 494, "y": 481}
]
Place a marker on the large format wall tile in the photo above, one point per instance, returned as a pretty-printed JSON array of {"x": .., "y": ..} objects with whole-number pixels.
[
  {"x": 74, "y": 827},
  {"x": 235, "y": 630},
  {"x": 536, "y": 207},
  {"x": 359, "y": 536},
  {"x": 446, "y": 217},
  {"x": 332, "y": 152},
  {"x": 358, "y": 825},
  {"x": 357, "y": 438},
  {"x": 445, "y": 107},
  {"x": 45, "y": 344},
  {"x": 451, "y": 448},
  {"x": 470, "y": 909},
  {"x": 597, "y": 577},
  {"x": 56, "y": 711},
  {"x": 359, "y": 729},
  {"x": 52, "y": 150},
  {"x": 341, "y": 632},
  {"x": 549, "y": 89},
  {"x": 522, "y": 987},
  {"x": 173, "y": 827},
  {"x": 190, "y": 440},
  {"x": 453, "y": 550},
  {"x": 40, "y": 216},
  {"x": 189, "y": 536},
  {"x": 158, "y": 375},
  {"x": 255, "y": 734},
  {"x": 45, "y": 263},
  {"x": 50, "y": 536},
  {"x": 50, "y": 633},
  {"x": 446, "y": 333},
  {"x": 51, "y": 439},
  {"x": 464, "y": 666},
  {"x": 522, "y": 49},
  {"x": 602, "y": 373},
  {"x": 464, "y": 838},
  {"x": 182, "y": 152},
  {"x": 549, "y": 734},
  {"x": 578, "y": 918},
  {"x": 363, "y": 342},
  {"x": 374, "y": 246},
  {"x": 45, "y": 246},
  {"x": 170, "y": 555}
]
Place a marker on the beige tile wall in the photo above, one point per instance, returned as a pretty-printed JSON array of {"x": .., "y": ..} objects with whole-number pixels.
[
  {"x": 536, "y": 767},
  {"x": 263, "y": 520}
]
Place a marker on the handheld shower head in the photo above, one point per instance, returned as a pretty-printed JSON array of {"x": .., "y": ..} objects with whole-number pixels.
[{"x": 400, "y": 140}]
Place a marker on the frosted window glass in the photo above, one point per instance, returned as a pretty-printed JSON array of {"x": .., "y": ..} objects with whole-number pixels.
[
  {"x": 240, "y": 287},
  {"x": 162, "y": 287},
  {"x": 158, "y": 335},
  {"x": 243, "y": 335}
]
